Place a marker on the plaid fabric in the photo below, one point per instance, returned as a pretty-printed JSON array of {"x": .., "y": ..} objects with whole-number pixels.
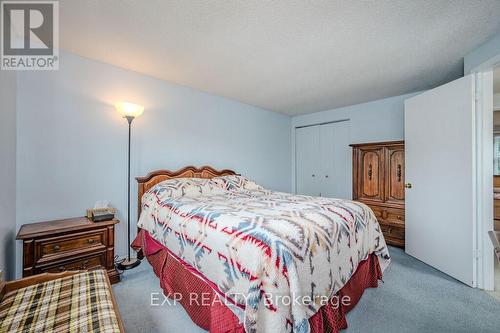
[{"x": 78, "y": 303}]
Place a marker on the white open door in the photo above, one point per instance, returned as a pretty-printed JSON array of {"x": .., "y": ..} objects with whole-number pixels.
[{"x": 439, "y": 158}]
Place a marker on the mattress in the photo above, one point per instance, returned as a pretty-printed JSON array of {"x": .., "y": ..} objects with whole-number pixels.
[
  {"x": 181, "y": 286},
  {"x": 273, "y": 258}
]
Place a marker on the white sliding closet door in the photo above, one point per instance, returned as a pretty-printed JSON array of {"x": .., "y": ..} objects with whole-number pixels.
[
  {"x": 307, "y": 160},
  {"x": 336, "y": 160},
  {"x": 323, "y": 160}
]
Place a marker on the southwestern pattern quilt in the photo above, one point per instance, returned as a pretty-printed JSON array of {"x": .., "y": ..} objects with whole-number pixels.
[{"x": 274, "y": 258}]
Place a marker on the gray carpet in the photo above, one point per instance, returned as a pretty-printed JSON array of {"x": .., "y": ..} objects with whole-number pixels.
[{"x": 413, "y": 298}]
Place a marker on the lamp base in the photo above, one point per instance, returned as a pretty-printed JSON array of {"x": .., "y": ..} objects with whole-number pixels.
[{"x": 128, "y": 264}]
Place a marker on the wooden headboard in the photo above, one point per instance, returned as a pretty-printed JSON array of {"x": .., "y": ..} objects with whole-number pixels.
[{"x": 154, "y": 177}]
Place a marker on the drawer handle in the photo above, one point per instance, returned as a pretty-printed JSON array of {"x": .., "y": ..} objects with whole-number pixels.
[
  {"x": 90, "y": 240},
  {"x": 84, "y": 264},
  {"x": 62, "y": 268},
  {"x": 56, "y": 248}
]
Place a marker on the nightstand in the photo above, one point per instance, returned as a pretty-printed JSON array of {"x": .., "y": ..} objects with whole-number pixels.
[{"x": 70, "y": 244}]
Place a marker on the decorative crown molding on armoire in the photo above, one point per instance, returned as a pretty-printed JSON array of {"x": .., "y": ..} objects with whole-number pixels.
[{"x": 379, "y": 181}]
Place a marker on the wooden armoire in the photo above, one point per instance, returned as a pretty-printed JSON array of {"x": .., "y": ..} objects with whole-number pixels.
[{"x": 378, "y": 181}]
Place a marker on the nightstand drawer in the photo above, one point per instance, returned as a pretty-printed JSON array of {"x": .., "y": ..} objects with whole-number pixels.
[
  {"x": 62, "y": 245},
  {"x": 89, "y": 262}
]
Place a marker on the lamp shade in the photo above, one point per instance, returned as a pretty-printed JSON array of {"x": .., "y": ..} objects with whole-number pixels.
[{"x": 127, "y": 109}]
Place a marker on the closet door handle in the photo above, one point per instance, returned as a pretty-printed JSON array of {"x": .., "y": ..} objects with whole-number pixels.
[
  {"x": 326, "y": 176},
  {"x": 313, "y": 175}
]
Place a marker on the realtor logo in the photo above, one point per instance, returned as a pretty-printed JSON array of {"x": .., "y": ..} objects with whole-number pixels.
[{"x": 29, "y": 35}]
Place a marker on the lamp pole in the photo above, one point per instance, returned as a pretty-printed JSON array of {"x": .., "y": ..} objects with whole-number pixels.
[{"x": 129, "y": 262}]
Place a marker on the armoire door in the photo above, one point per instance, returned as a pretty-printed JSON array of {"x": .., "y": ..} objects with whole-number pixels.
[
  {"x": 395, "y": 175},
  {"x": 335, "y": 180},
  {"x": 307, "y": 160},
  {"x": 371, "y": 174}
]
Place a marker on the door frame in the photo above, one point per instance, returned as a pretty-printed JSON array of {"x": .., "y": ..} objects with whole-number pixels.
[{"x": 484, "y": 171}]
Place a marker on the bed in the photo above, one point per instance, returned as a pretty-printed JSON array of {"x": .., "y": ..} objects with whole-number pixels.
[{"x": 241, "y": 258}]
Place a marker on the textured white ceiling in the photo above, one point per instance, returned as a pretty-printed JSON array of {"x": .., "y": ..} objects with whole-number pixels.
[{"x": 291, "y": 56}]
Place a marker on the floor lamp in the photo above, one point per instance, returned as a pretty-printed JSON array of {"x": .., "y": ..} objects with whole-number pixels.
[{"x": 129, "y": 111}]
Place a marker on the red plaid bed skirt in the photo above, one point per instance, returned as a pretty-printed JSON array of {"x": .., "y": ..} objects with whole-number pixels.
[{"x": 178, "y": 278}]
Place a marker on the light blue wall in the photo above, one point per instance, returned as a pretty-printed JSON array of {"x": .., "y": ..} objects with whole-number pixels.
[
  {"x": 72, "y": 143},
  {"x": 483, "y": 53},
  {"x": 380, "y": 120},
  {"x": 7, "y": 172}
]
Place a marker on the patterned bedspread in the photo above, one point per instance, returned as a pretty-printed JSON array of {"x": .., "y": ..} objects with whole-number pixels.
[
  {"x": 274, "y": 258},
  {"x": 78, "y": 303}
]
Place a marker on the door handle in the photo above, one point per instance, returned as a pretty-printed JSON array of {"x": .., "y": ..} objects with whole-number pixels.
[{"x": 408, "y": 185}]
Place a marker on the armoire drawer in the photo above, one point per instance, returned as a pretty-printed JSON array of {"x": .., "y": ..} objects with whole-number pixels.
[
  {"x": 393, "y": 235},
  {"x": 392, "y": 231},
  {"x": 391, "y": 216}
]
